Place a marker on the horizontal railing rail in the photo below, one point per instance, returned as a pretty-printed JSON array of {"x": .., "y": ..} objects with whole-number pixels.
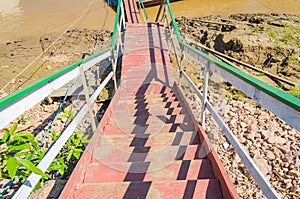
[
  {"x": 33, "y": 179},
  {"x": 17, "y": 103},
  {"x": 282, "y": 104}
]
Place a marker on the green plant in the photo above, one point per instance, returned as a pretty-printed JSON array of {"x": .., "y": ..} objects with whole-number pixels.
[
  {"x": 70, "y": 153},
  {"x": 256, "y": 29},
  {"x": 295, "y": 92},
  {"x": 23, "y": 120},
  {"x": 67, "y": 113},
  {"x": 293, "y": 58},
  {"x": 260, "y": 74},
  {"x": 273, "y": 35},
  {"x": 104, "y": 94},
  {"x": 18, "y": 154}
]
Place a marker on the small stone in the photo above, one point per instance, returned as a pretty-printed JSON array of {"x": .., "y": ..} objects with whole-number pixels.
[
  {"x": 261, "y": 123},
  {"x": 277, "y": 152},
  {"x": 294, "y": 189},
  {"x": 226, "y": 145},
  {"x": 64, "y": 119},
  {"x": 243, "y": 124},
  {"x": 270, "y": 155},
  {"x": 239, "y": 190},
  {"x": 267, "y": 134},
  {"x": 294, "y": 173},
  {"x": 288, "y": 185},
  {"x": 283, "y": 149},
  {"x": 49, "y": 67},
  {"x": 278, "y": 140}
]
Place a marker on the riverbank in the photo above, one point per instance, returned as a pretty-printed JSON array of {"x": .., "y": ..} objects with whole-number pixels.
[
  {"x": 27, "y": 59},
  {"x": 252, "y": 40},
  {"x": 269, "y": 42}
]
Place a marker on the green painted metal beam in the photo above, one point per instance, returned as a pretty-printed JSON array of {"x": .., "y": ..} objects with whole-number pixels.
[
  {"x": 14, "y": 96},
  {"x": 278, "y": 94},
  {"x": 114, "y": 37}
]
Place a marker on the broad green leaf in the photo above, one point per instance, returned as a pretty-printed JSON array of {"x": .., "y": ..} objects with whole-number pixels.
[
  {"x": 22, "y": 153},
  {"x": 70, "y": 155},
  {"x": 37, "y": 187},
  {"x": 55, "y": 167},
  {"x": 30, "y": 166},
  {"x": 13, "y": 129},
  {"x": 85, "y": 139},
  {"x": 12, "y": 165},
  {"x": 61, "y": 171},
  {"x": 20, "y": 147},
  {"x": 77, "y": 155},
  {"x": 18, "y": 139},
  {"x": 25, "y": 135},
  {"x": 5, "y": 137}
]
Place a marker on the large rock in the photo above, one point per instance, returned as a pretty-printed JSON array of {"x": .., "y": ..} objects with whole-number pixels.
[{"x": 263, "y": 165}]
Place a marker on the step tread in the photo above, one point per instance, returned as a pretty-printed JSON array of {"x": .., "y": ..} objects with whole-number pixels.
[
  {"x": 126, "y": 128},
  {"x": 148, "y": 171},
  {"x": 111, "y": 153},
  {"x": 200, "y": 189},
  {"x": 159, "y": 139}
]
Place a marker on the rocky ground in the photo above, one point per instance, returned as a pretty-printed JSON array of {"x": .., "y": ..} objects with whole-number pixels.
[
  {"x": 268, "y": 42},
  {"x": 273, "y": 145}
]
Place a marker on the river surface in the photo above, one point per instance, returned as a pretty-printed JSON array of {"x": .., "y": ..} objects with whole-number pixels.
[{"x": 34, "y": 17}]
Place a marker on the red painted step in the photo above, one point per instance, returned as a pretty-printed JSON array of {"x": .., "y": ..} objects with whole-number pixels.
[
  {"x": 159, "y": 139},
  {"x": 111, "y": 153},
  {"x": 200, "y": 189},
  {"x": 148, "y": 171},
  {"x": 132, "y": 11}
]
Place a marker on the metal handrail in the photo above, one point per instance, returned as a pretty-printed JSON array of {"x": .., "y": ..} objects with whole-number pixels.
[
  {"x": 287, "y": 107},
  {"x": 27, "y": 90},
  {"x": 144, "y": 9},
  {"x": 17, "y": 103},
  {"x": 41, "y": 89},
  {"x": 114, "y": 36},
  {"x": 278, "y": 94}
]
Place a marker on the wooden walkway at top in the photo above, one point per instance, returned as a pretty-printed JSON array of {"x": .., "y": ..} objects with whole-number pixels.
[{"x": 148, "y": 144}]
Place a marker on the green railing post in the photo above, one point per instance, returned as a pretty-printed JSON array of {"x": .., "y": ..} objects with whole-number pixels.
[{"x": 144, "y": 9}]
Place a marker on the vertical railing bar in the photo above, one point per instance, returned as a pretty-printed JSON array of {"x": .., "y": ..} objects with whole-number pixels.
[
  {"x": 205, "y": 90},
  {"x": 159, "y": 11},
  {"x": 123, "y": 14},
  {"x": 87, "y": 99}
]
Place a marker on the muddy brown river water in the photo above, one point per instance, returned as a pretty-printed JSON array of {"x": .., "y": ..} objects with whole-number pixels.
[{"x": 35, "y": 17}]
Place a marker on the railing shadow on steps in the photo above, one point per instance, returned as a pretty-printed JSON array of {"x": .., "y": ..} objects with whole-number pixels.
[
  {"x": 282, "y": 104},
  {"x": 14, "y": 105}
]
